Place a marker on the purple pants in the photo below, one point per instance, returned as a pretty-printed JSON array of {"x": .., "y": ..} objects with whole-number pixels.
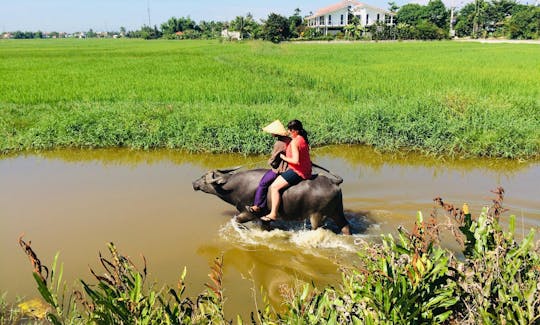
[{"x": 262, "y": 189}]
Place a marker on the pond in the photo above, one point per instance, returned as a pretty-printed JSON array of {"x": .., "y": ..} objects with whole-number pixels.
[{"x": 75, "y": 201}]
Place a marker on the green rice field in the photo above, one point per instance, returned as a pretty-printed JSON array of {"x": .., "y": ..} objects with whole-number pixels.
[{"x": 440, "y": 98}]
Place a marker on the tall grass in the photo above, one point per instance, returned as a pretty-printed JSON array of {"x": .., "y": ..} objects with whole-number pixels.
[
  {"x": 441, "y": 98},
  {"x": 8, "y": 313}
]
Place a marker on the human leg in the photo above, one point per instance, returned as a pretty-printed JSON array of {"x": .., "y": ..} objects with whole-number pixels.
[
  {"x": 279, "y": 184},
  {"x": 259, "y": 202}
]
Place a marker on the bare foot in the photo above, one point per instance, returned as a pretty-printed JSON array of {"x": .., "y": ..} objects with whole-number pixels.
[
  {"x": 268, "y": 218},
  {"x": 346, "y": 230},
  {"x": 253, "y": 208}
]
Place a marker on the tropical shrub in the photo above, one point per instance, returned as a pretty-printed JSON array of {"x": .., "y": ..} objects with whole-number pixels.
[
  {"x": 525, "y": 24},
  {"x": 500, "y": 278},
  {"x": 426, "y": 30},
  {"x": 123, "y": 296}
]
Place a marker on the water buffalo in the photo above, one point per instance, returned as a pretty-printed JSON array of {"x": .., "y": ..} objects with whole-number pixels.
[{"x": 316, "y": 199}]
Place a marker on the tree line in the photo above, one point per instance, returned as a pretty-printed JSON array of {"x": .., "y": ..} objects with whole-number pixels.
[{"x": 478, "y": 19}]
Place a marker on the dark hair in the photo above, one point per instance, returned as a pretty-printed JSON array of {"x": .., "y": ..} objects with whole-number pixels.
[{"x": 297, "y": 126}]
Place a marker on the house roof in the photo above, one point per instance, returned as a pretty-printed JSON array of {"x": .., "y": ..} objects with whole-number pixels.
[
  {"x": 341, "y": 5},
  {"x": 334, "y": 7},
  {"x": 365, "y": 5}
]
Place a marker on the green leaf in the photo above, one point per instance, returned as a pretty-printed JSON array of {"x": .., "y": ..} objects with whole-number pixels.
[
  {"x": 43, "y": 290},
  {"x": 53, "y": 319},
  {"x": 59, "y": 278},
  {"x": 304, "y": 293},
  {"x": 184, "y": 273}
]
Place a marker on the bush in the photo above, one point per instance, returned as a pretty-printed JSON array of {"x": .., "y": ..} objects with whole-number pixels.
[
  {"x": 382, "y": 31},
  {"x": 525, "y": 24},
  {"x": 429, "y": 31}
]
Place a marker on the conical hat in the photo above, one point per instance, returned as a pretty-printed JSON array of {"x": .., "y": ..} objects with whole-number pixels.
[{"x": 275, "y": 128}]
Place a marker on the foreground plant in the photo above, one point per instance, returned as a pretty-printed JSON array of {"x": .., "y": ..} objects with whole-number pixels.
[
  {"x": 413, "y": 280},
  {"x": 9, "y": 314},
  {"x": 409, "y": 281},
  {"x": 51, "y": 288},
  {"x": 500, "y": 277},
  {"x": 122, "y": 296}
]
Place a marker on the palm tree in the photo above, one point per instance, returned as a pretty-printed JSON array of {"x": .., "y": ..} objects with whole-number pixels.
[
  {"x": 239, "y": 24},
  {"x": 349, "y": 30}
]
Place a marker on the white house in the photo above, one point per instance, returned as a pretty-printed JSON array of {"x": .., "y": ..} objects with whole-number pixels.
[
  {"x": 334, "y": 18},
  {"x": 230, "y": 35}
]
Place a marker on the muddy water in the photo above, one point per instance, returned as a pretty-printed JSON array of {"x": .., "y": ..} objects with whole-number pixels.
[{"x": 74, "y": 202}]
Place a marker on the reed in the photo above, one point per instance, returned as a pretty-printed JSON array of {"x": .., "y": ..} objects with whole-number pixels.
[
  {"x": 441, "y": 98},
  {"x": 8, "y": 312}
]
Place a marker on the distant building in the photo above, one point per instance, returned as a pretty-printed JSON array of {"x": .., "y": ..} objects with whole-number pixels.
[
  {"x": 231, "y": 35},
  {"x": 334, "y": 18}
]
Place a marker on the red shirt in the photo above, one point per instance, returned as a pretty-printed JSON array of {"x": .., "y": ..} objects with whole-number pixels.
[{"x": 303, "y": 168}]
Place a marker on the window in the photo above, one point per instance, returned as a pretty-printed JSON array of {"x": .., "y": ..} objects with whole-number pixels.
[
  {"x": 329, "y": 19},
  {"x": 341, "y": 19},
  {"x": 367, "y": 19},
  {"x": 321, "y": 20},
  {"x": 378, "y": 17}
]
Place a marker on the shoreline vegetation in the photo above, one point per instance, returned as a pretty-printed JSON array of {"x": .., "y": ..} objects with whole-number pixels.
[
  {"x": 457, "y": 99},
  {"x": 410, "y": 279}
]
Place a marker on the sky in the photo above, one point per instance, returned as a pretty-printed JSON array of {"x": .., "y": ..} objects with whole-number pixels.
[{"x": 109, "y": 15}]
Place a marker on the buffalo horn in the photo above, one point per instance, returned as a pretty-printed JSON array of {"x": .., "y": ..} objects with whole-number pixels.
[
  {"x": 226, "y": 171},
  {"x": 214, "y": 180}
]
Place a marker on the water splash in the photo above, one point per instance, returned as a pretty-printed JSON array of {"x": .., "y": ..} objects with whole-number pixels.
[
  {"x": 323, "y": 238},
  {"x": 317, "y": 242}
]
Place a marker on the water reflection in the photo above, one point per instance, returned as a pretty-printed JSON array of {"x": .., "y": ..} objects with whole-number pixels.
[
  {"x": 370, "y": 158},
  {"x": 354, "y": 155},
  {"x": 127, "y": 157},
  {"x": 279, "y": 259}
]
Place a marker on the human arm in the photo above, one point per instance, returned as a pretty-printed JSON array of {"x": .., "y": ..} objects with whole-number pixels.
[
  {"x": 275, "y": 160},
  {"x": 295, "y": 155}
]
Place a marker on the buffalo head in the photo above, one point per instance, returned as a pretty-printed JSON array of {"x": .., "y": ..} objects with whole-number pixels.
[{"x": 212, "y": 179}]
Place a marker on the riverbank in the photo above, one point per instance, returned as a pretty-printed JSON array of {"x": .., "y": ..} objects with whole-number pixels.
[
  {"x": 497, "y": 41},
  {"x": 456, "y": 39}
]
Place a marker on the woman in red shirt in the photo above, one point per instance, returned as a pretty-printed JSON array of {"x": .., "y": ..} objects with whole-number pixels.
[{"x": 297, "y": 155}]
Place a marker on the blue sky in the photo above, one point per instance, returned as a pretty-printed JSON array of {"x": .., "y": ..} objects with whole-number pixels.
[
  {"x": 110, "y": 15},
  {"x": 101, "y": 15}
]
